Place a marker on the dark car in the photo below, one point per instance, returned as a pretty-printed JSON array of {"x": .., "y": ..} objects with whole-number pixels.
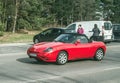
[
  {"x": 116, "y": 32},
  {"x": 48, "y": 35}
]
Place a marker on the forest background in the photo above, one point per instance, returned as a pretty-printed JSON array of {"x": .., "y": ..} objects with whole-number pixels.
[{"x": 38, "y": 14}]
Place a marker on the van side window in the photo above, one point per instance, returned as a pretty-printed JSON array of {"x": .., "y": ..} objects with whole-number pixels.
[
  {"x": 72, "y": 27},
  {"x": 107, "y": 26}
]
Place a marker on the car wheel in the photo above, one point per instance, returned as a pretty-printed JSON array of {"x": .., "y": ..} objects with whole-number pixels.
[
  {"x": 36, "y": 41},
  {"x": 99, "y": 54},
  {"x": 62, "y": 58}
]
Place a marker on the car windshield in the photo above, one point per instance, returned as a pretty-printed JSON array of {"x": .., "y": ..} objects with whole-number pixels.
[{"x": 66, "y": 38}]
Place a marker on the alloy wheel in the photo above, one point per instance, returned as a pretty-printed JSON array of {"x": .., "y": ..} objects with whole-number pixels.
[
  {"x": 99, "y": 55},
  {"x": 62, "y": 58}
]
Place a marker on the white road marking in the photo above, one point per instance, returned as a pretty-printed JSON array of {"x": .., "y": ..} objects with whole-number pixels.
[
  {"x": 93, "y": 71},
  {"x": 12, "y": 54},
  {"x": 75, "y": 73},
  {"x": 16, "y": 44},
  {"x": 113, "y": 46},
  {"x": 111, "y": 68},
  {"x": 42, "y": 79}
]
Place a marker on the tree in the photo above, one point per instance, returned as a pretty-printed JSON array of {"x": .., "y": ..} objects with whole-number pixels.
[
  {"x": 2, "y": 14},
  {"x": 34, "y": 14},
  {"x": 108, "y": 6},
  {"x": 16, "y": 14},
  {"x": 116, "y": 11}
]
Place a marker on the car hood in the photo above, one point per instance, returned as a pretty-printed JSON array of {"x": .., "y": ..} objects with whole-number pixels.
[
  {"x": 43, "y": 45},
  {"x": 47, "y": 44}
]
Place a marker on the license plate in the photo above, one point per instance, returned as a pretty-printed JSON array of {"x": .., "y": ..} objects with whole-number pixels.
[{"x": 31, "y": 54}]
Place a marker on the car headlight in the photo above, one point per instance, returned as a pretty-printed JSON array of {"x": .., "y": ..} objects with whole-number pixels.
[{"x": 48, "y": 49}]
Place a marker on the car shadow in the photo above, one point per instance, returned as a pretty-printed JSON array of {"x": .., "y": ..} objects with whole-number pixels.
[
  {"x": 117, "y": 41},
  {"x": 32, "y": 61},
  {"x": 79, "y": 60}
]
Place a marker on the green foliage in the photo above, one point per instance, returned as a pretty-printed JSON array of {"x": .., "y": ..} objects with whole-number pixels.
[
  {"x": 1, "y": 29},
  {"x": 1, "y": 26},
  {"x": 1, "y": 33},
  {"x": 35, "y": 14},
  {"x": 23, "y": 24},
  {"x": 37, "y": 23},
  {"x": 116, "y": 11}
]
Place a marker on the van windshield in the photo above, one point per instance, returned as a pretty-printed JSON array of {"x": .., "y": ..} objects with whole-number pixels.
[{"x": 107, "y": 26}]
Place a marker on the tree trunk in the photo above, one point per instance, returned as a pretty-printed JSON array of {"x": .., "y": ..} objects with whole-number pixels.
[{"x": 15, "y": 17}]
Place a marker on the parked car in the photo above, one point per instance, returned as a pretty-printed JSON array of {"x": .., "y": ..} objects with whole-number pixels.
[
  {"x": 48, "y": 35},
  {"x": 68, "y": 46},
  {"x": 116, "y": 32}
]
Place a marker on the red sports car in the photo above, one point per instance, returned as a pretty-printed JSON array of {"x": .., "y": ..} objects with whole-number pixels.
[{"x": 69, "y": 46}]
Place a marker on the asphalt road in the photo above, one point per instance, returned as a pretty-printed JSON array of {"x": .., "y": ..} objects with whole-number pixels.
[{"x": 16, "y": 67}]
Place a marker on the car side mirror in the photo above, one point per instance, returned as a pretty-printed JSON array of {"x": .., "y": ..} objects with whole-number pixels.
[{"x": 77, "y": 42}]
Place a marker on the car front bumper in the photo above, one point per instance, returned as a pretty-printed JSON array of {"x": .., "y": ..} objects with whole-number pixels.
[{"x": 47, "y": 57}]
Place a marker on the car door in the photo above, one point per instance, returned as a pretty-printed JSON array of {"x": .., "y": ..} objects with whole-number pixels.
[
  {"x": 116, "y": 31},
  {"x": 55, "y": 33},
  {"x": 50, "y": 34},
  {"x": 45, "y": 35},
  {"x": 83, "y": 49}
]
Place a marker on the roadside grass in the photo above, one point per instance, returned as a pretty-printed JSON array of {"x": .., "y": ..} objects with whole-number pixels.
[{"x": 17, "y": 37}]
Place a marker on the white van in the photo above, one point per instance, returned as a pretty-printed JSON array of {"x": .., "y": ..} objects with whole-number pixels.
[{"x": 104, "y": 26}]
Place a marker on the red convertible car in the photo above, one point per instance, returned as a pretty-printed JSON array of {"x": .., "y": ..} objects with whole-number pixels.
[{"x": 69, "y": 46}]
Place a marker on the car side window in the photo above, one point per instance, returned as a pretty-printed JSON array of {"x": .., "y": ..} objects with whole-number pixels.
[
  {"x": 47, "y": 32},
  {"x": 116, "y": 27},
  {"x": 83, "y": 39},
  {"x": 56, "y": 31},
  {"x": 68, "y": 38}
]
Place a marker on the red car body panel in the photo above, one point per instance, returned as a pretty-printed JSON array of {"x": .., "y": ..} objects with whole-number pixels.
[{"x": 74, "y": 51}]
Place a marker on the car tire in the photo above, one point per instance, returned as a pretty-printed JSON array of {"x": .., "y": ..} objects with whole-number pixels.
[
  {"x": 36, "y": 41},
  {"x": 99, "y": 55},
  {"x": 62, "y": 58}
]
